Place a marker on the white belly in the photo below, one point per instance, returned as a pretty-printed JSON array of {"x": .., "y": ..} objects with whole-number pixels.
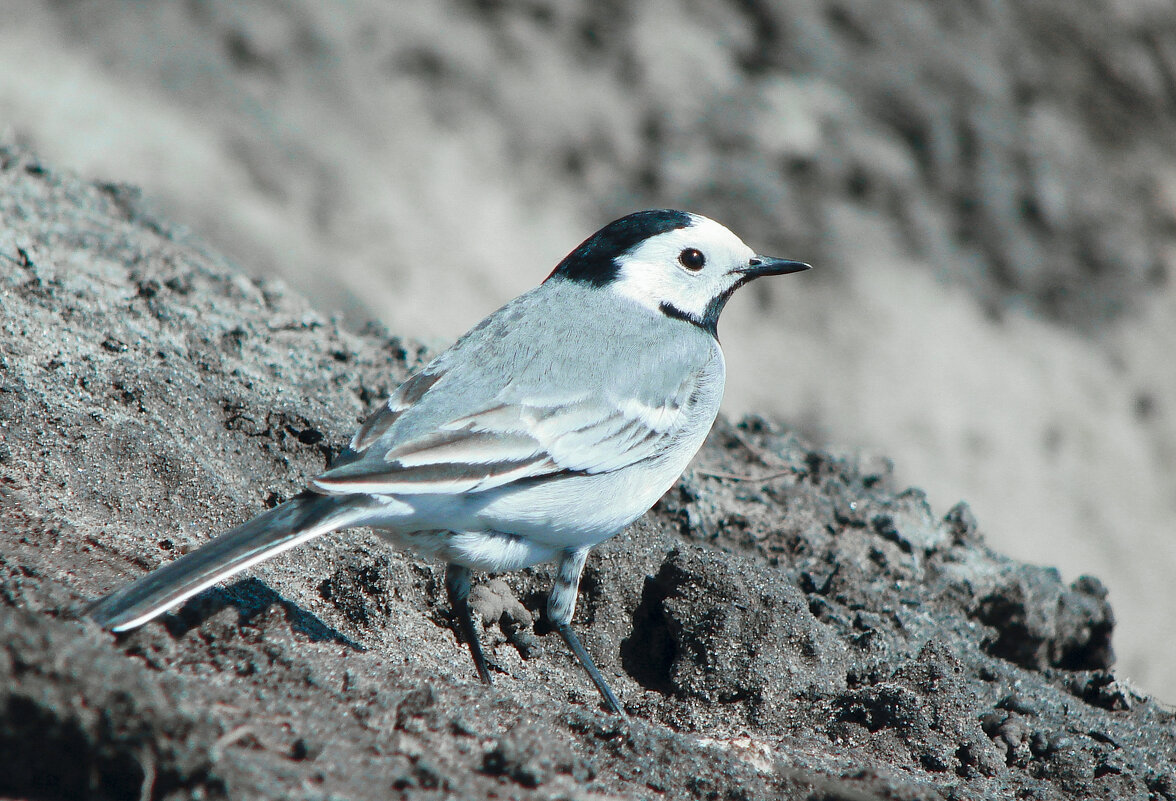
[{"x": 515, "y": 527}]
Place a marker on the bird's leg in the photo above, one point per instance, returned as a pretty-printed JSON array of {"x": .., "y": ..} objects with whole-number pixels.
[
  {"x": 457, "y": 586},
  {"x": 561, "y": 605}
]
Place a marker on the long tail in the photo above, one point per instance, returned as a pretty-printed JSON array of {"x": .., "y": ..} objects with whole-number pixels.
[{"x": 299, "y": 519}]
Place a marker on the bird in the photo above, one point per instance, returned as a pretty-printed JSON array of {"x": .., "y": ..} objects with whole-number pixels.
[{"x": 546, "y": 429}]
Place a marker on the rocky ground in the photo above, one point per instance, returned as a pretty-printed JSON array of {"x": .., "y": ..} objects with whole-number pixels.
[
  {"x": 789, "y": 622},
  {"x": 988, "y": 190}
]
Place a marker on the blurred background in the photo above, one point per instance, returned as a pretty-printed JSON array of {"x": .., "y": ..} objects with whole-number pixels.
[{"x": 987, "y": 189}]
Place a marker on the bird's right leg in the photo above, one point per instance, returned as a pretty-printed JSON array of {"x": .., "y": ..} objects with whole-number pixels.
[{"x": 457, "y": 586}]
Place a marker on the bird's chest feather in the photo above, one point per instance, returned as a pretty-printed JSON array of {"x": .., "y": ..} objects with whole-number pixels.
[{"x": 585, "y": 509}]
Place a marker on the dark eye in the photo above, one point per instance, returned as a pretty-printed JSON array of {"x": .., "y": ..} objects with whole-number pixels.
[{"x": 692, "y": 259}]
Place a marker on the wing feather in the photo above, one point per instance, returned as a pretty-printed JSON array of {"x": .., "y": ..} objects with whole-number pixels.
[
  {"x": 509, "y": 442},
  {"x": 398, "y": 402}
]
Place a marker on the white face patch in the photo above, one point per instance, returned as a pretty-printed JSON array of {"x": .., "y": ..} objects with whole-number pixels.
[{"x": 652, "y": 273}]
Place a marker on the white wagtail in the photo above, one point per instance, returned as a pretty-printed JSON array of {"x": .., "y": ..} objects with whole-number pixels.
[{"x": 549, "y": 427}]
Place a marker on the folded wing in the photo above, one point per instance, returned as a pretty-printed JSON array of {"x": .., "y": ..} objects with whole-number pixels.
[{"x": 506, "y": 442}]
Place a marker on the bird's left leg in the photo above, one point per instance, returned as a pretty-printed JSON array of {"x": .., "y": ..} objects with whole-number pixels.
[
  {"x": 561, "y": 605},
  {"x": 457, "y": 586}
]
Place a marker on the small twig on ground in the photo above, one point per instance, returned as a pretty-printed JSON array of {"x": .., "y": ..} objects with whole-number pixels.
[
  {"x": 230, "y": 738},
  {"x": 737, "y": 477}
]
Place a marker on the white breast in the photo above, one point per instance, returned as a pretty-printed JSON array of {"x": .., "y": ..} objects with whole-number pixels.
[{"x": 587, "y": 509}]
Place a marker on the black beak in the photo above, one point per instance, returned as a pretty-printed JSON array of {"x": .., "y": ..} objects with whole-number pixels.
[{"x": 766, "y": 265}]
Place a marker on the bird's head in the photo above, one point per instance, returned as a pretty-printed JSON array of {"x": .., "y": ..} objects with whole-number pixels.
[{"x": 682, "y": 265}]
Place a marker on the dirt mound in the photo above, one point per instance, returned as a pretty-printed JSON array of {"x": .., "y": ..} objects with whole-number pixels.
[{"x": 787, "y": 623}]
